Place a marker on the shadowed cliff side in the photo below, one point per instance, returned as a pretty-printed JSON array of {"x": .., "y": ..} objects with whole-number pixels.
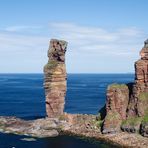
[{"x": 55, "y": 78}]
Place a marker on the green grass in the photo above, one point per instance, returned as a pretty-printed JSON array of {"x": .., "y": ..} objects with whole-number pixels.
[
  {"x": 143, "y": 96},
  {"x": 51, "y": 65},
  {"x": 133, "y": 121},
  {"x": 115, "y": 85},
  {"x": 99, "y": 123},
  {"x": 112, "y": 116},
  {"x": 145, "y": 119}
]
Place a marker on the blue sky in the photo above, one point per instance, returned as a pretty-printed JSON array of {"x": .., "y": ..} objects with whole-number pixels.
[{"x": 104, "y": 36}]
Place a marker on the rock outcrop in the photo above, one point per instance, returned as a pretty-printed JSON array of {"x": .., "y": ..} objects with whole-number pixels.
[
  {"x": 127, "y": 105},
  {"x": 40, "y": 128},
  {"x": 55, "y": 78},
  {"x": 116, "y": 104},
  {"x": 69, "y": 124},
  {"x": 139, "y": 99}
]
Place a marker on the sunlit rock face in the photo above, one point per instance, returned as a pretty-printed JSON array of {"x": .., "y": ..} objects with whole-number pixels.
[
  {"x": 138, "y": 105},
  {"x": 116, "y": 105},
  {"x": 127, "y": 105},
  {"x": 55, "y": 78}
]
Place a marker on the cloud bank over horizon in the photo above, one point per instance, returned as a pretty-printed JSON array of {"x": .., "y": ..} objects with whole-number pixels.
[{"x": 91, "y": 49}]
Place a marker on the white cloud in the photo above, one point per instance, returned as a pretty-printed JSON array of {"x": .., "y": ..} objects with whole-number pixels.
[
  {"x": 21, "y": 28},
  {"x": 87, "y": 45},
  {"x": 10, "y": 41},
  {"x": 96, "y": 39}
]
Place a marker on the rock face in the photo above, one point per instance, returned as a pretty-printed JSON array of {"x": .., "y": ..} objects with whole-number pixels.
[
  {"x": 144, "y": 129},
  {"x": 40, "y": 128},
  {"x": 55, "y": 78},
  {"x": 116, "y": 104},
  {"x": 127, "y": 105},
  {"x": 138, "y": 104}
]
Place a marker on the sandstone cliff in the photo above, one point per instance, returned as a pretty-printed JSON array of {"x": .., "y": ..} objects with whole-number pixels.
[
  {"x": 127, "y": 104},
  {"x": 55, "y": 78},
  {"x": 139, "y": 99},
  {"x": 116, "y": 103}
]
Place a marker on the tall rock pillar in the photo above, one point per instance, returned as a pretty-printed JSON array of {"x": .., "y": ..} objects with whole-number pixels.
[{"x": 55, "y": 78}]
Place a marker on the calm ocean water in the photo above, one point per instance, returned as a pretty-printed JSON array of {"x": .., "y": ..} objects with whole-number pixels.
[{"x": 22, "y": 95}]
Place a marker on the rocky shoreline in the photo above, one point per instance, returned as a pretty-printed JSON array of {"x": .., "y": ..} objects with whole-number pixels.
[
  {"x": 69, "y": 124},
  {"x": 121, "y": 121}
]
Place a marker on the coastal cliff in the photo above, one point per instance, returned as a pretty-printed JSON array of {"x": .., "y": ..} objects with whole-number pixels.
[
  {"x": 125, "y": 111},
  {"x": 55, "y": 78},
  {"x": 127, "y": 104}
]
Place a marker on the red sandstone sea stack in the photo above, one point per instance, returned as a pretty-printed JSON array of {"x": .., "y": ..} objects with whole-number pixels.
[{"x": 55, "y": 78}]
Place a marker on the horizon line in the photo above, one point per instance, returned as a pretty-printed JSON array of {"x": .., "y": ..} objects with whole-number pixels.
[{"x": 67, "y": 73}]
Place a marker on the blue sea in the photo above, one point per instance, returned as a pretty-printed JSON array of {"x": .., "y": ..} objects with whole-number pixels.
[{"x": 22, "y": 95}]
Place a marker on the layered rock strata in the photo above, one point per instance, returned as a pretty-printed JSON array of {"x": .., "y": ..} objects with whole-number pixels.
[
  {"x": 139, "y": 98},
  {"x": 55, "y": 78},
  {"x": 116, "y": 104},
  {"x": 127, "y": 105}
]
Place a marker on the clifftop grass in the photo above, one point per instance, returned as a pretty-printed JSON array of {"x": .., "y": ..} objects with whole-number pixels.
[{"x": 115, "y": 85}]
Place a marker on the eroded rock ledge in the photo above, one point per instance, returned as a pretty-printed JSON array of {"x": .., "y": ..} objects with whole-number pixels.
[{"x": 75, "y": 124}]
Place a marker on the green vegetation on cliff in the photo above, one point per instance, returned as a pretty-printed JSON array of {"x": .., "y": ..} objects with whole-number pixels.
[
  {"x": 133, "y": 121},
  {"x": 145, "y": 118},
  {"x": 113, "y": 116},
  {"x": 115, "y": 85},
  {"x": 51, "y": 65},
  {"x": 143, "y": 96}
]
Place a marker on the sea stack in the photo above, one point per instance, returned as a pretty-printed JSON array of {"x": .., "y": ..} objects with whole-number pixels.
[{"x": 55, "y": 78}]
